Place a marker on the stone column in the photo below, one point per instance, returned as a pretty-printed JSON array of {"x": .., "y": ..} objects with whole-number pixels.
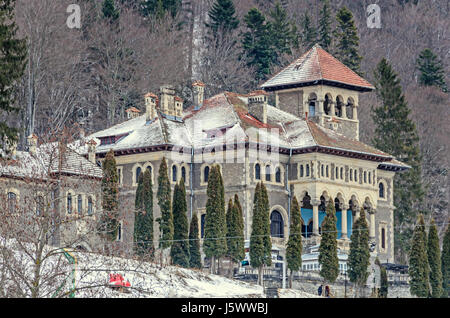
[
  {"x": 315, "y": 204},
  {"x": 372, "y": 224},
  {"x": 332, "y": 109},
  {"x": 344, "y": 111},
  {"x": 355, "y": 113},
  {"x": 344, "y": 222}
]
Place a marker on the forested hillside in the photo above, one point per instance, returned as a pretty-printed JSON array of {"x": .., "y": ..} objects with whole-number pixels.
[{"x": 88, "y": 76}]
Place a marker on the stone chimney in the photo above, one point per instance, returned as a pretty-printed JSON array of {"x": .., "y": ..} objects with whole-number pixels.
[
  {"x": 178, "y": 107},
  {"x": 167, "y": 103},
  {"x": 92, "y": 145},
  {"x": 257, "y": 105},
  {"x": 199, "y": 94},
  {"x": 32, "y": 144},
  {"x": 10, "y": 147},
  {"x": 151, "y": 100}
]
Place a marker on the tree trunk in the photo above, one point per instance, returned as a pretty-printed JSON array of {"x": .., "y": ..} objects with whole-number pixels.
[
  {"x": 231, "y": 269},
  {"x": 261, "y": 275},
  {"x": 290, "y": 278},
  {"x": 213, "y": 265}
]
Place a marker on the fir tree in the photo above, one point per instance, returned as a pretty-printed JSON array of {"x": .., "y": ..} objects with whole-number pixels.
[
  {"x": 13, "y": 63},
  {"x": 109, "y": 10},
  {"x": 395, "y": 133},
  {"x": 358, "y": 259},
  {"x": 434, "y": 261},
  {"x": 195, "y": 260},
  {"x": 346, "y": 35},
  {"x": 328, "y": 258},
  {"x": 235, "y": 231},
  {"x": 215, "y": 245},
  {"x": 294, "y": 245},
  {"x": 418, "y": 261},
  {"x": 309, "y": 36},
  {"x": 260, "y": 242},
  {"x": 165, "y": 206},
  {"x": 445, "y": 263},
  {"x": 143, "y": 224},
  {"x": 431, "y": 70},
  {"x": 325, "y": 26},
  {"x": 223, "y": 17},
  {"x": 109, "y": 223},
  {"x": 160, "y": 7},
  {"x": 179, "y": 251}
]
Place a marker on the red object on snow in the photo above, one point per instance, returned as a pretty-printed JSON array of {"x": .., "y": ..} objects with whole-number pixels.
[{"x": 117, "y": 280}]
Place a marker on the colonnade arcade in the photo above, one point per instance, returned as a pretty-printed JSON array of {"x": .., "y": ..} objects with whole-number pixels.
[{"x": 338, "y": 106}]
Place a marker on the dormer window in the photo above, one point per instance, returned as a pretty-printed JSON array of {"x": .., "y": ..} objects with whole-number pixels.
[{"x": 109, "y": 140}]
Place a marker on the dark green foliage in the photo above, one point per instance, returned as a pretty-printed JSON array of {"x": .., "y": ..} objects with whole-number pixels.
[
  {"x": 384, "y": 285},
  {"x": 235, "y": 231},
  {"x": 12, "y": 65},
  {"x": 431, "y": 70},
  {"x": 396, "y": 134},
  {"x": 195, "y": 260},
  {"x": 309, "y": 36},
  {"x": 445, "y": 263},
  {"x": 109, "y": 223},
  {"x": 347, "y": 40},
  {"x": 325, "y": 26},
  {"x": 222, "y": 16},
  {"x": 434, "y": 261},
  {"x": 294, "y": 245},
  {"x": 358, "y": 259},
  {"x": 165, "y": 205},
  {"x": 143, "y": 222},
  {"x": 109, "y": 10},
  {"x": 215, "y": 223},
  {"x": 328, "y": 257},
  {"x": 418, "y": 261},
  {"x": 160, "y": 7},
  {"x": 180, "y": 248}
]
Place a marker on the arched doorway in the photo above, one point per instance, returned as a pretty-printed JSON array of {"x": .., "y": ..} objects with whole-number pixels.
[{"x": 276, "y": 224}]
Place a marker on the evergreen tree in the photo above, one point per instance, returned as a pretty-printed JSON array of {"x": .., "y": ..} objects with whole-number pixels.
[
  {"x": 235, "y": 231},
  {"x": 195, "y": 260},
  {"x": 143, "y": 223},
  {"x": 179, "y": 251},
  {"x": 13, "y": 63},
  {"x": 434, "y": 261},
  {"x": 431, "y": 70},
  {"x": 160, "y": 7},
  {"x": 109, "y": 223},
  {"x": 325, "y": 26},
  {"x": 223, "y": 17},
  {"x": 384, "y": 284},
  {"x": 358, "y": 259},
  {"x": 260, "y": 242},
  {"x": 328, "y": 258},
  {"x": 396, "y": 134},
  {"x": 109, "y": 10},
  {"x": 346, "y": 35},
  {"x": 309, "y": 36},
  {"x": 257, "y": 44},
  {"x": 418, "y": 261},
  {"x": 215, "y": 245},
  {"x": 294, "y": 245},
  {"x": 165, "y": 206},
  {"x": 445, "y": 263}
]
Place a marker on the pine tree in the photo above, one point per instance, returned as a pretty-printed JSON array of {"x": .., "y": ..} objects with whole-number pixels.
[
  {"x": 418, "y": 261},
  {"x": 165, "y": 206},
  {"x": 431, "y": 70},
  {"x": 109, "y": 223},
  {"x": 13, "y": 63},
  {"x": 109, "y": 10},
  {"x": 195, "y": 260},
  {"x": 434, "y": 261},
  {"x": 325, "y": 26},
  {"x": 160, "y": 7},
  {"x": 294, "y": 245},
  {"x": 445, "y": 263},
  {"x": 179, "y": 251},
  {"x": 235, "y": 231},
  {"x": 223, "y": 17},
  {"x": 309, "y": 36},
  {"x": 346, "y": 35},
  {"x": 143, "y": 224},
  {"x": 260, "y": 242},
  {"x": 358, "y": 259},
  {"x": 215, "y": 245},
  {"x": 328, "y": 258},
  {"x": 396, "y": 134}
]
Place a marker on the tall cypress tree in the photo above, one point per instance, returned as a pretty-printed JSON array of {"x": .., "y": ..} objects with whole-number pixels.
[
  {"x": 179, "y": 251},
  {"x": 143, "y": 224},
  {"x": 215, "y": 245},
  {"x": 431, "y": 70},
  {"x": 384, "y": 284},
  {"x": 395, "y": 133},
  {"x": 165, "y": 206},
  {"x": 13, "y": 63},
  {"x": 223, "y": 17},
  {"x": 434, "y": 260},
  {"x": 445, "y": 263},
  {"x": 294, "y": 245},
  {"x": 358, "y": 259},
  {"x": 325, "y": 26},
  {"x": 195, "y": 260},
  {"x": 418, "y": 261},
  {"x": 235, "y": 232},
  {"x": 328, "y": 257},
  {"x": 346, "y": 35},
  {"x": 109, "y": 223},
  {"x": 309, "y": 36},
  {"x": 283, "y": 33}
]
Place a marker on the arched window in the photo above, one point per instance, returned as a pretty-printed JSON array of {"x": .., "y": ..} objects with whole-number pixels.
[
  {"x": 370, "y": 178},
  {"x": 206, "y": 174},
  {"x": 321, "y": 170},
  {"x": 356, "y": 175},
  {"x": 327, "y": 105},
  {"x": 301, "y": 171},
  {"x": 337, "y": 173},
  {"x": 80, "y": 204},
  {"x": 381, "y": 190},
  {"x": 149, "y": 168},
  {"x": 276, "y": 224},
  {"x": 39, "y": 205},
  {"x": 174, "y": 173},
  {"x": 383, "y": 238},
  {"x": 327, "y": 171},
  {"x": 349, "y": 109},
  {"x": 312, "y": 108},
  {"x": 12, "y": 202},
  {"x": 257, "y": 172},
  {"x": 278, "y": 175},
  {"x": 138, "y": 173},
  {"x": 339, "y": 105},
  {"x": 183, "y": 173},
  {"x": 90, "y": 209},
  {"x": 268, "y": 175},
  {"x": 69, "y": 203},
  {"x": 307, "y": 170}
]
